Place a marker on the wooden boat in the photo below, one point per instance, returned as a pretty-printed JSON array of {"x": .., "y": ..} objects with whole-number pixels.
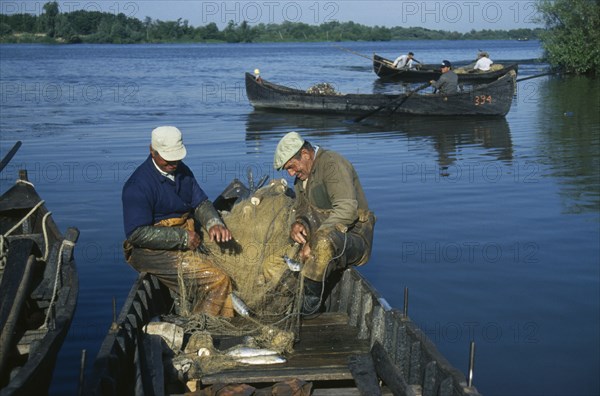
[
  {"x": 384, "y": 69},
  {"x": 493, "y": 99},
  {"x": 346, "y": 350},
  {"x": 38, "y": 290}
]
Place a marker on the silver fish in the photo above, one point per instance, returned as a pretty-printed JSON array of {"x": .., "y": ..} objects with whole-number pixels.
[
  {"x": 244, "y": 351},
  {"x": 268, "y": 359},
  {"x": 292, "y": 264},
  {"x": 239, "y": 305}
]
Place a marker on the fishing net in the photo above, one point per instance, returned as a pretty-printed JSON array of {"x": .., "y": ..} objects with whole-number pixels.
[
  {"x": 263, "y": 284},
  {"x": 322, "y": 89}
]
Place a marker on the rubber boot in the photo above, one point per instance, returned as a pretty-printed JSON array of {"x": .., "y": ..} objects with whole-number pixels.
[{"x": 312, "y": 297}]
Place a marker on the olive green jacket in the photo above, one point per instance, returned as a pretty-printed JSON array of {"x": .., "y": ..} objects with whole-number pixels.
[{"x": 333, "y": 188}]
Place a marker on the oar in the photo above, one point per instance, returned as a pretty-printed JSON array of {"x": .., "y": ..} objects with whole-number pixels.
[
  {"x": 384, "y": 62},
  {"x": 393, "y": 103},
  {"x": 540, "y": 75},
  {"x": 9, "y": 155}
]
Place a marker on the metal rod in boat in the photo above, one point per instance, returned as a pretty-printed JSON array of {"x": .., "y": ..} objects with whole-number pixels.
[
  {"x": 406, "y": 302},
  {"x": 114, "y": 326},
  {"x": 471, "y": 363},
  {"x": 81, "y": 372}
]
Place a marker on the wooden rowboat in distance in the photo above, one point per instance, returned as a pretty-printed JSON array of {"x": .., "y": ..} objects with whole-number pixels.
[
  {"x": 38, "y": 290},
  {"x": 427, "y": 72},
  {"x": 493, "y": 99}
]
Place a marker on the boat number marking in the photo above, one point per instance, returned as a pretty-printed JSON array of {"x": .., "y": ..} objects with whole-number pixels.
[{"x": 480, "y": 100}]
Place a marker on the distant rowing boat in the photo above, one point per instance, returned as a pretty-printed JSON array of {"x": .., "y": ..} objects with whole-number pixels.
[
  {"x": 38, "y": 290},
  {"x": 493, "y": 99},
  {"x": 384, "y": 69}
]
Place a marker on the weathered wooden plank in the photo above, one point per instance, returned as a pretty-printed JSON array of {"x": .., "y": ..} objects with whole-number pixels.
[
  {"x": 152, "y": 365},
  {"x": 388, "y": 372},
  {"x": 414, "y": 372},
  {"x": 270, "y": 375},
  {"x": 363, "y": 372},
  {"x": 327, "y": 319},
  {"x": 430, "y": 380},
  {"x": 14, "y": 287},
  {"x": 355, "y": 302},
  {"x": 364, "y": 321},
  {"x": 378, "y": 326},
  {"x": 446, "y": 387},
  {"x": 345, "y": 293}
]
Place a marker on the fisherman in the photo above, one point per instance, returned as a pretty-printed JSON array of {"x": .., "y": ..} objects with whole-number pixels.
[
  {"x": 448, "y": 81},
  {"x": 333, "y": 223},
  {"x": 405, "y": 61},
  {"x": 163, "y": 205},
  {"x": 483, "y": 63}
]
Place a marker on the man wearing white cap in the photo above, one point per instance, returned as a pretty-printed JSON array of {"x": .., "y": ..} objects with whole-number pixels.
[
  {"x": 333, "y": 222},
  {"x": 162, "y": 208}
]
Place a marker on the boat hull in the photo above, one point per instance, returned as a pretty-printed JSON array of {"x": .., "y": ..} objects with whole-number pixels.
[
  {"x": 31, "y": 342},
  {"x": 358, "y": 324},
  {"x": 492, "y": 99},
  {"x": 384, "y": 70}
]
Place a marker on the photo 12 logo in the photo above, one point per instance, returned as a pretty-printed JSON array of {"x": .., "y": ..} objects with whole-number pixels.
[
  {"x": 128, "y": 8},
  {"x": 468, "y": 12},
  {"x": 269, "y": 11}
]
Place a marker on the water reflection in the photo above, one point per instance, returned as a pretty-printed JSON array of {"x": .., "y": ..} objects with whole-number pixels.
[
  {"x": 570, "y": 122},
  {"x": 447, "y": 135}
]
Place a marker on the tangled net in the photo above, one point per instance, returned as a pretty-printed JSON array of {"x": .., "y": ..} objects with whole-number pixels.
[
  {"x": 322, "y": 89},
  {"x": 254, "y": 260}
]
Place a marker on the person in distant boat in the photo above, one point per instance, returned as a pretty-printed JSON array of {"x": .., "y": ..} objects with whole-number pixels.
[
  {"x": 405, "y": 61},
  {"x": 448, "y": 81},
  {"x": 257, "y": 76},
  {"x": 163, "y": 206},
  {"x": 483, "y": 63},
  {"x": 333, "y": 224}
]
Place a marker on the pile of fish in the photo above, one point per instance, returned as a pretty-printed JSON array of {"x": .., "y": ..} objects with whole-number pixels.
[{"x": 199, "y": 354}]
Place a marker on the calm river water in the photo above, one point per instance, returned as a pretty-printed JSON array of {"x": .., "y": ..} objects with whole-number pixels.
[{"x": 493, "y": 225}]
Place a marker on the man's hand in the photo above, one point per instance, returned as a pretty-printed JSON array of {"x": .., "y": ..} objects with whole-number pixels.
[
  {"x": 305, "y": 252},
  {"x": 219, "y": 233},
  {"x": 193, "y": 240},
  {"x": 298, "y": 233}
]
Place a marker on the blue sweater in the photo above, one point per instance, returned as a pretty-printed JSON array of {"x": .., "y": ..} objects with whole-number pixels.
[{"x": 149, "y": 197}]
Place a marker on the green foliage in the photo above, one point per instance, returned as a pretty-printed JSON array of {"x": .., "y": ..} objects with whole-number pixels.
[
  {"x": 572, "y": 38},
  {"x": 100, "y": 27}
]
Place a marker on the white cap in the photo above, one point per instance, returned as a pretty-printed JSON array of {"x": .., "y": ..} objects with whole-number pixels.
[
  {"x": 287, "y": 147},
  {"x": 168, "y": 142}
]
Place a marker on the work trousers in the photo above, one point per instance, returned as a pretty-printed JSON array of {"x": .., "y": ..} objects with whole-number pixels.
[{"x": 207, "y": 286}]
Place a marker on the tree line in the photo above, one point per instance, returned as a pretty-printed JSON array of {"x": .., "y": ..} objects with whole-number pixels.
[
  {"x": 571, "y": 38},
  {"x": 104, "y": 27}
]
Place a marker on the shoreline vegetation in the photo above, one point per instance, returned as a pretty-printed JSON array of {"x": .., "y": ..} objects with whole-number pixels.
[
  {"x": 93, "y": 27},
  {"x": 571, "y": 37}
]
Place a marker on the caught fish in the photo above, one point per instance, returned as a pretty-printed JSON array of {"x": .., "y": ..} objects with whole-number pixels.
[
  {"x": 239, "y": 306},
  {"x": 268, "y": 359},
  {"x": 241, "y": 351},
  {"x": 292, "y": 264}
]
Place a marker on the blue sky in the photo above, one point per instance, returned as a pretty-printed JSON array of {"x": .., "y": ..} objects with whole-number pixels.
[{"x": 460, "y": 15}]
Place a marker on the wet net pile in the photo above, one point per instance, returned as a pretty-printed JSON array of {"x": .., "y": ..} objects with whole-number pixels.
[
  {"x": 264, "y": 285},
  {"x": 322, "y": 89}
]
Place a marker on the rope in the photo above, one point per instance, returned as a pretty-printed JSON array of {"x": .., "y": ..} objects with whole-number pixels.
[
  {"x": 58, "y": 268},
  {"x": 26, "y": 216},
  {"x": 3, "y": 242},
  {"x": 45, "y": 232}
]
